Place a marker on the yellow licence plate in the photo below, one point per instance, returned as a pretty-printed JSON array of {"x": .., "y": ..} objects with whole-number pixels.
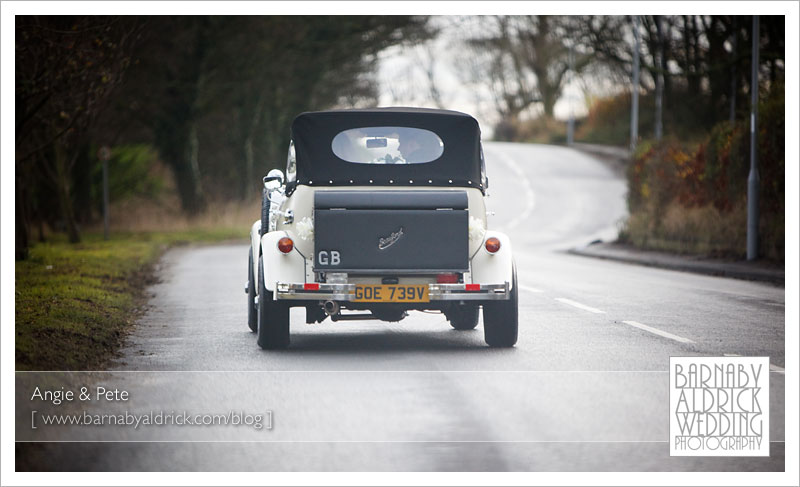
[{"x": 392, "y": 293}]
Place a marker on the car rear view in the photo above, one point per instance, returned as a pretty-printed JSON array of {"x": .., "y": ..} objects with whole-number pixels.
[{"x": 381, "y": 212}]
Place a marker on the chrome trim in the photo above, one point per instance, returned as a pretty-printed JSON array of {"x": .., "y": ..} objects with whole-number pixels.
[
  {"x": 436, "y": 292},
  {"x": 393, "y": 272}
]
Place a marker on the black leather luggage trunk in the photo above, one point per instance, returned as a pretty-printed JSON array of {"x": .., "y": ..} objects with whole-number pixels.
[{"x": 391, "y": 232}]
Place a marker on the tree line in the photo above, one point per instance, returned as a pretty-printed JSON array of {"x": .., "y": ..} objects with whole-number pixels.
[
  {"x": 213, "y": 95},
  {"x": 699, "y": 65}
]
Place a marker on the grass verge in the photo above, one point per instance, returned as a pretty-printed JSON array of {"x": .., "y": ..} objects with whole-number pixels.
[{"x": 74, "y": 304}]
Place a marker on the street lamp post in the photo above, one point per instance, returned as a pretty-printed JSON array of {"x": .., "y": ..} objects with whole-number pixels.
[
  {"x": 753, "y": 178},
  {"x": 571, "y": 123},
  {"x": 658, "y": 129},
  {"x": 635, "y": 87},
  {"x": 104, "y": 154}
]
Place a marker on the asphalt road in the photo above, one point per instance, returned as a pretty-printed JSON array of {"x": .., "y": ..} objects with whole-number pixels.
[{"x": 585, "y": 389}]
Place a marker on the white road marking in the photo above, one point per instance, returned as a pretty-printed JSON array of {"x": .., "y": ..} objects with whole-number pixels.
[
  {"x": 579, "y": 305},
  {"x": 775, "y": 368},
  {"x": 658, "y": 332},
  {"x": 530, "y": 199},
  {"x": 772, "y": 367},
  {"x": 529, "y": 288}
]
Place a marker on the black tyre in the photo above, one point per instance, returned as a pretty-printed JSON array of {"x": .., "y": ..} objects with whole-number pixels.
[
  {"x": 501, "y": 318},
  {"x": 252, "y": 309},
  {"x": 464, "y": 317},
  {"x": 264, "y": 212},
  {"x": 273, "y": 317}
]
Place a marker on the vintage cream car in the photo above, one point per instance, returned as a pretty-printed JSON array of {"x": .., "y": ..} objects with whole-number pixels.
[{"x": 381, "y": 211}]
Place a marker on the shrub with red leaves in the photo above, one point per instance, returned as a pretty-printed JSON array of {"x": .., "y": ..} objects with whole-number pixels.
[{"x": 715, "y": 172}]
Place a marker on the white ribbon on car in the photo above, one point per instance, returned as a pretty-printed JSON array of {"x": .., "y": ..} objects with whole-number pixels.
[
  {"x": 305, "y": 229},
  {"x": 476, "y": 229}
]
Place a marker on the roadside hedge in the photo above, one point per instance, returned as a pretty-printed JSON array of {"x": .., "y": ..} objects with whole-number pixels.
[{"x": 693, "y": 197}]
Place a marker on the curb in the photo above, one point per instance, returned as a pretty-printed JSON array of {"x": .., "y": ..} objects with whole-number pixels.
[
  {"x": 735, "y": 270},
  {"x": 617, "y": 157}
]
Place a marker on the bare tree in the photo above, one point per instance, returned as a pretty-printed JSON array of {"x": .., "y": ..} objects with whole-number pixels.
[
  {"x": 500, "y": 69},
  {"x": 428, "y": 61},
  {"x": 659, "y": 71},
  {"x": 66, "y": 69},
  {"x": 527, "y": 61}
]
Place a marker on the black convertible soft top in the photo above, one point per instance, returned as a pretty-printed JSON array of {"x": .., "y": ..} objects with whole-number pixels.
[{"x": 317, "y": 165}]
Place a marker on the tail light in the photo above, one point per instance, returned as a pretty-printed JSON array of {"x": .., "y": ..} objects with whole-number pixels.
[
  {"x": 492, "y": 245},
  {"x": 285, "y": 245},
  {"x": 450, "y": 278}
]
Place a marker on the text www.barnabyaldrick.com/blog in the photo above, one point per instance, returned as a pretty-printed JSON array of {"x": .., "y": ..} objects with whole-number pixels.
[
  {"x": 257, "y": 421},
  {"x": 49, "y": 402}
]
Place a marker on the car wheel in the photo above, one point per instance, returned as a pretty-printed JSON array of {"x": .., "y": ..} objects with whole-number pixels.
[
  {"x": 464, "y": 317},
  {"x": 252, "y": 310},
  {"x": 501, "y": 318},
  {"x": 264, "y": 212},
  {"x": 273, "y": 317}
]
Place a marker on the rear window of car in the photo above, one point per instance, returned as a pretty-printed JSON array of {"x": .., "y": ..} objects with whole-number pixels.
[{"x": 387, "y": 145}]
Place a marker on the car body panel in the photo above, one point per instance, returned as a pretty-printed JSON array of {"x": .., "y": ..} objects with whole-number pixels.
[
  {"x": 280, "y": 267},
  {"x": 497, "y": 267}
]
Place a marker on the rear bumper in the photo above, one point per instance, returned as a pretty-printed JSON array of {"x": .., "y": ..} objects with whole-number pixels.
[{"x": 436, "y": 292}]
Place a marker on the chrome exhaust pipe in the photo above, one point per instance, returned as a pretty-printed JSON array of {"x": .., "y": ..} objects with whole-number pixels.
[{"x": 331, "y": 307}]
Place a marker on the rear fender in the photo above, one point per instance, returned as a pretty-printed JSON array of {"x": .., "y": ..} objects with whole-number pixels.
[
  {"x": 255, "y": 239},
  {"x": 494, "y": 268},
  {"x": 280, "y": 267}
]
